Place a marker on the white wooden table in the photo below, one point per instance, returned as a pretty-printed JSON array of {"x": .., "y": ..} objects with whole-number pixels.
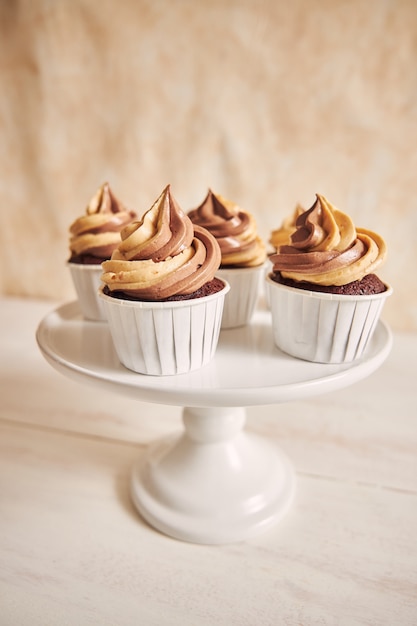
[{"x": 75, "y": 552}]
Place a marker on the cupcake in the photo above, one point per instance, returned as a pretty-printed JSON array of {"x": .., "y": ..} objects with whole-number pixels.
[
  {"x": 243, "y": 255},
  {"x": 324, "y": 294},
  {"x": 162, "y": 299},
  {"x": 93, "y": 238}
]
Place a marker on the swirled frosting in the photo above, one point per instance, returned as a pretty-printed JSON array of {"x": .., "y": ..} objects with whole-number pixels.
[
  {"x": 162, "y": 255},
  {"x": 282, "y": 235},
  {"x": 327, "y": 249},
  {"x": 235, "y": 231},
  {"x": 95, "y": 235}
]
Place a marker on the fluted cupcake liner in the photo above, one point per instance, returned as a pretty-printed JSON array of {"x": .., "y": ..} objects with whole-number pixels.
[
  {"x": 323, "y": 327},
  {"x": 165, "y": 338},
  {"x": 241, "y": 301},
  {"x": 86, "y": 280}
]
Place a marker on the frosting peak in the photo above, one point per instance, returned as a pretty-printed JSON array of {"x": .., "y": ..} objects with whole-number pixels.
[
  {"x": 323, "y": 227},
  {"x": 234, "y": 229},
  {"x": 96, "y": 234},
  {"x": 104, "y": 201},
  {"x": 161, "y": 233},
  {"x": 325, "y": 248}
]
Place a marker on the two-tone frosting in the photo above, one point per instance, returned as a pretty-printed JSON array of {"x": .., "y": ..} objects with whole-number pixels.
[
  {"x": 282, "y": 236},
  {"x": 95, "y": 235},
  {"x": 162, "y": 255},
  {"x": 327, "y": 249},
  {"x": 234, "y": 229}
]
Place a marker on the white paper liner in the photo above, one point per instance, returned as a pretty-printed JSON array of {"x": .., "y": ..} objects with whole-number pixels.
[
  {"x": 165, "y": 338},
  {"x": 323, "y": 327},
  {"x": 86, "y": 280},
  {"x": 241, "y": 301}
]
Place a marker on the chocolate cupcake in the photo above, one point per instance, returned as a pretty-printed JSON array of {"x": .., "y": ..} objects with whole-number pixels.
[
  {"x": 243, "y": 254},
  {"x": 325, "y": 296},
  {"x": 162, "y": 299},
  {"x": 93, "y": 238}
]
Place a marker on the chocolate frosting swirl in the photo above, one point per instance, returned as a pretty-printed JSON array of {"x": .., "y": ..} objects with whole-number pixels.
[
  {"x": 234, "y": 229},
  {"x": 327, "y": 249},
  {"x": 97, "y": 233},
  {"x": 162, "y": 255}
]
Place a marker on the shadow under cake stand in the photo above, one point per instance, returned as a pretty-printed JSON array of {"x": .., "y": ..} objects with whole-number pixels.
[{"x": 214, "y": 482}]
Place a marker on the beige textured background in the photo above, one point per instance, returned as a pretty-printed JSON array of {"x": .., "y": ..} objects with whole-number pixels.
[{"x": 266, "y": 102}]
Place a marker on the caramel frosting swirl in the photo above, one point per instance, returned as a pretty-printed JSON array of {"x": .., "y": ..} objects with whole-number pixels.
[
  {"x": 235, "y": 231},
  {"x": 97, "y": 233},
  {"x": 327, "y": 249},
  {"x": 162, "y": 255}
]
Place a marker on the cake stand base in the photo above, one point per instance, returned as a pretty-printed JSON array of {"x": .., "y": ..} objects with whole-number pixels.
[{"x": 214, "y": 483}]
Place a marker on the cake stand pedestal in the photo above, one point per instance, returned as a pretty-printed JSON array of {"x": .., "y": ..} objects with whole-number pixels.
[{"x": 214, "y": 482}]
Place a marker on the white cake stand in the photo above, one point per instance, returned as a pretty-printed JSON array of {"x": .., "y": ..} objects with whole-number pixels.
[{"x": 214, "y": 483}]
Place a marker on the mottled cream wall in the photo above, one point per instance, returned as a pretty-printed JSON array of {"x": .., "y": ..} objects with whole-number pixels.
[{"x": 266, "y": 102}]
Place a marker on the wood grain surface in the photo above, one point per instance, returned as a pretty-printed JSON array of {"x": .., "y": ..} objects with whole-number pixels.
[{"x": 74, "y": 550}]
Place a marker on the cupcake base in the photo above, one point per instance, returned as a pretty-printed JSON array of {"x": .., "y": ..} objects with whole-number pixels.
[
  {"x": 87, "y": 281},
  {"x": 241, "y": 301},
  {"x": 323, "y": 327},
  {"x": 165, "y": 338}
]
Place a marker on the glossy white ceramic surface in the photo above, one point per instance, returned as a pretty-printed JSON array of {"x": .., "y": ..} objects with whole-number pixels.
[
  {"x": 248, "y": 369},
  {"x": 214, "y": 483}
]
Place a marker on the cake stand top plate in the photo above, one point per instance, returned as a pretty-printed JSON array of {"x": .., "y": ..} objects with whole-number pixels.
[{"x": 247, "y": 369}]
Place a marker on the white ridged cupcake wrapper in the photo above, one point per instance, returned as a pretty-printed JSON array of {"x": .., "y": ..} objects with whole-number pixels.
[
  {"x": 86, "y": 280},
  {"x": 165, "y": 338},
  {"x": 241, "y": 301},
  {"x": 322, "y": 327}
]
